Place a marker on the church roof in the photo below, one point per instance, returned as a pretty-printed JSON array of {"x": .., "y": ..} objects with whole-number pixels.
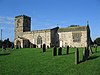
[
  {"x": 70, "y": 29},
  {"x": 47, "y": 30},
  {"x": 67, "y": 29},
  {"x": 22, "y": 16}
]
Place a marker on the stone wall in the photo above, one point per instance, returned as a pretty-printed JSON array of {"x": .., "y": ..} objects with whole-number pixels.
[
  {"x": 22, "y": 24},
  {"x": 66, "y": 38},
  {"x": 63, "y": 38},
  {"x": 28, "y": 35},
  {"x": 16, "y": 43},
  {"x": 72, "y": 36},
  {"x": 33, "y": 36}
]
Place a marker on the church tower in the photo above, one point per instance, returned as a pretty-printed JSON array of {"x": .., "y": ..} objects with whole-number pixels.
[{"x": 22, "y": 24}]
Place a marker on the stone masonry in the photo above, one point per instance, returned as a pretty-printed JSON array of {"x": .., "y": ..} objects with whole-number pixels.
[{"x": 71, "y": 36}]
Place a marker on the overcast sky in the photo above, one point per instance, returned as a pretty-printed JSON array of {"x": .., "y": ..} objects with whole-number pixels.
[{"x": 47, "y": 14}]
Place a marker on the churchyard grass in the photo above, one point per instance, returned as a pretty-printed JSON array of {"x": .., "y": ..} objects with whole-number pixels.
[{"x": 33, "y": 61}]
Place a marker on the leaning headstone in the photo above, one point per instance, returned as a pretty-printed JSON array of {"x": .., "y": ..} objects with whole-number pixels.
[
  {"x": 55, "y": 51},
  {"x": 76, "y": 56},
  {"x": 44, "y": 48},
  {"x": 60, "y": 51},
  {"x": 67, "y": 50}
]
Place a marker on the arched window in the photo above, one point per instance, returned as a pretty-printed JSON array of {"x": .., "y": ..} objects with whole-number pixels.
[{"x": 39, "y": 40}]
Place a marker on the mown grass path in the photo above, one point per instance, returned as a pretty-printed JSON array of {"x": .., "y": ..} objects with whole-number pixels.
[{"x": 34, "y": 62}]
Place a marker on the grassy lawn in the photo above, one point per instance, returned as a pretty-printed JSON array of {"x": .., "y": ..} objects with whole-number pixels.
[{"x": 33, "y": 62}]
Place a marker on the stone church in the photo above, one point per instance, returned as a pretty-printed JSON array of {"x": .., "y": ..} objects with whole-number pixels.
[{"x": 77, "y": 36}]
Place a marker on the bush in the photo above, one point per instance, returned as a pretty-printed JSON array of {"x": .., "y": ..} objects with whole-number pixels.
[{"x": 97, "y": 41}]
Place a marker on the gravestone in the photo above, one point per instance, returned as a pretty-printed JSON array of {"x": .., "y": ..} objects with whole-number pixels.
[
  {"x": 55, "y": 51},
  {"x": 85, "y": 54},
  {"x": 90, "y": 48},
  {"x": 12, "y": 46},
  {"x": 67, "y": 50},
  {"x": 41, "y": 46},
  {"x": 44, "y": 48},
  {"x": 95, "y": 47},
  {"x": 47, "y": 46},
  {"x": 76, "y": 56},
  {"x": 3, "y": 47},
  {"x": 60, "y": 51}
]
